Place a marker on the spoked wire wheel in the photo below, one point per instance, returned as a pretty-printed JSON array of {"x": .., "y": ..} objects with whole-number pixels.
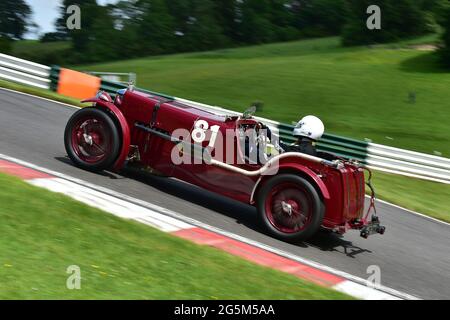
[
  {"x": 290, "y": 208},
  {"x": 92, "y": 139}
]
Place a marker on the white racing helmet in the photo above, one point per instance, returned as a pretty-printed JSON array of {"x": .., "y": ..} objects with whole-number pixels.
[{"x": 309, "y": 127}]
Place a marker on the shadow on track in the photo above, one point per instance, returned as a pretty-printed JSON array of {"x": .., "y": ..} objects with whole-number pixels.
[
  {"x": 328, "y": 241},
  {"x": 242, "y": 213},
  {"x": 106, "y": 174}
]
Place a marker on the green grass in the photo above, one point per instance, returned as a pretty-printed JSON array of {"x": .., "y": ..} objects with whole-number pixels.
[
  {"x": 359, "y": 92},
  {"x": 430, "y": 198},
  {"x": 44, "y": 233},
  {"x": 39, "y": 92}
]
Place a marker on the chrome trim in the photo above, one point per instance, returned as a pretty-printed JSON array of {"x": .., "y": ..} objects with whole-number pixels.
[
  {"x": 269, "y": 165},
  {"x": 252, "y": 197}
]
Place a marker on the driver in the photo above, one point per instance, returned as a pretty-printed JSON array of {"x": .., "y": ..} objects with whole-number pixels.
[{"x": 307, "y": 131}]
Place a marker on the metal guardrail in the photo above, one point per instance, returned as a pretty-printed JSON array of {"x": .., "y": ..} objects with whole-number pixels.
[
  {"x": 409, "y": 163},
  {"x": 115, "y": 76},
  {"x": 54, "y": 77},
  {"x": 25, "y": 72},
  {"x": 112, "y": 87},
  {"x": 384, "y": 158}
]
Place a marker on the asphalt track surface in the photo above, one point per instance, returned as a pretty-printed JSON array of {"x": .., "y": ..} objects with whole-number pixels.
[{"x": 414, "y": 254}]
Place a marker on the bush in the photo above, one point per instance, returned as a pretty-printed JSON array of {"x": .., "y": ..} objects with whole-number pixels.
[
  {"x": 53, "y": 37},
  {"x": 445, "y": 51},
  {"x": 320, "y": 18},
  {"x": 5, "y": 45}
]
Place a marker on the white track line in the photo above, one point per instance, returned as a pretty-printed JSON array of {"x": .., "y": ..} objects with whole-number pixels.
[
  {"x": 389, "y": 293},
  {"x": 41, "y": 98},
  {"x": 113, "y": 205},
  {"x": 412, "y": 212},
  {"x": 362, "y": 292}
]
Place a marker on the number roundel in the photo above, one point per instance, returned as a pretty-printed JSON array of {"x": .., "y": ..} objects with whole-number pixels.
[{"x": 199, "y": 133}]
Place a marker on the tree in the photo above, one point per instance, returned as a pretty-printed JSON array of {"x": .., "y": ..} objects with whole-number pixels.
[
  {"x": 52, "y": 37},
  {"x": 90, "y": 13},
  {"x": 318, "y": 18},
  {"x": 202, "y": 30},
  {"x": 400, "y": 19},
  {"x": 5, "y": 44},
  {"x": 103, "y": 42},
  {"x": 97, "y": 39},
  {"x": 88, "y": 8},
  {"x": 282, "y": 18},
  {"x": 255, "y": 22},
  {"x": 438, "y": 10},
  {"x": 227, "y": 17},
  {"x": 445, "y": 50},
  {"x": 14, "y": 18},
  {"x": 154, "y": 27},
  {"x": 125, "y": 16},
  {"x": 197, "y": 25}
]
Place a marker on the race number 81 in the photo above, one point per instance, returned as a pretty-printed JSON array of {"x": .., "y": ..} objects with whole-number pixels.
[{"x": 199, "y": 133}]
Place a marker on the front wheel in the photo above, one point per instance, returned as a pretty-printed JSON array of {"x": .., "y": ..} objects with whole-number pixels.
[
  {"x": 92, "y": 140},
  {"x": 290, "y": 208}
]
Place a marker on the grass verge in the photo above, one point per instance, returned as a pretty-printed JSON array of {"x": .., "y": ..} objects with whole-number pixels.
[
  {"x": 430, "y": 198},
  {"x": 45, "y": 233},
  {"x": 394, "y": 94},
  {"x": 39, "y": 92}
]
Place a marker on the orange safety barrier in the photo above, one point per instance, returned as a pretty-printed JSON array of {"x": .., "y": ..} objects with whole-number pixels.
[{"x": 77, "y": 84}]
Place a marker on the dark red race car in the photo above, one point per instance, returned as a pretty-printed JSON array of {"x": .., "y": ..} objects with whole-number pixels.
[{"x": 295, "y": 194}]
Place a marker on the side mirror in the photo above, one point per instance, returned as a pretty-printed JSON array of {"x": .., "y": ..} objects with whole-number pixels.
[
  {"x": 103, "y": 95},
  {"x": 249, "y": 113}
]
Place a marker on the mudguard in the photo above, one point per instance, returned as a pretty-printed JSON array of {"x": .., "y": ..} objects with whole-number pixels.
[
  {"x": 302, "y": 170},
  {"x": 126, "y": 136}
]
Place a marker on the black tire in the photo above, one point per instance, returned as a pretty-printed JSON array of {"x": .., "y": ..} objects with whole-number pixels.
[
  {"x": 310, "y": 199},
  {"x": 111, "y": 140}
]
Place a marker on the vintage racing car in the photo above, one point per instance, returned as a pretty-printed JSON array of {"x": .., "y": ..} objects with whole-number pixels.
[{"x": 295, "y": 194}]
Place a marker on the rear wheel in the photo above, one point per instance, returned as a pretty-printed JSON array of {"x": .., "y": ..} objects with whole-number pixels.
[
  {"x": 290, "y": 208},
  {"x": 92, "y": 139}
]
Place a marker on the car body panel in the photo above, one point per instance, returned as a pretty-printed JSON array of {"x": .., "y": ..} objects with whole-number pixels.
[{"x": 342, "y": 188}]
